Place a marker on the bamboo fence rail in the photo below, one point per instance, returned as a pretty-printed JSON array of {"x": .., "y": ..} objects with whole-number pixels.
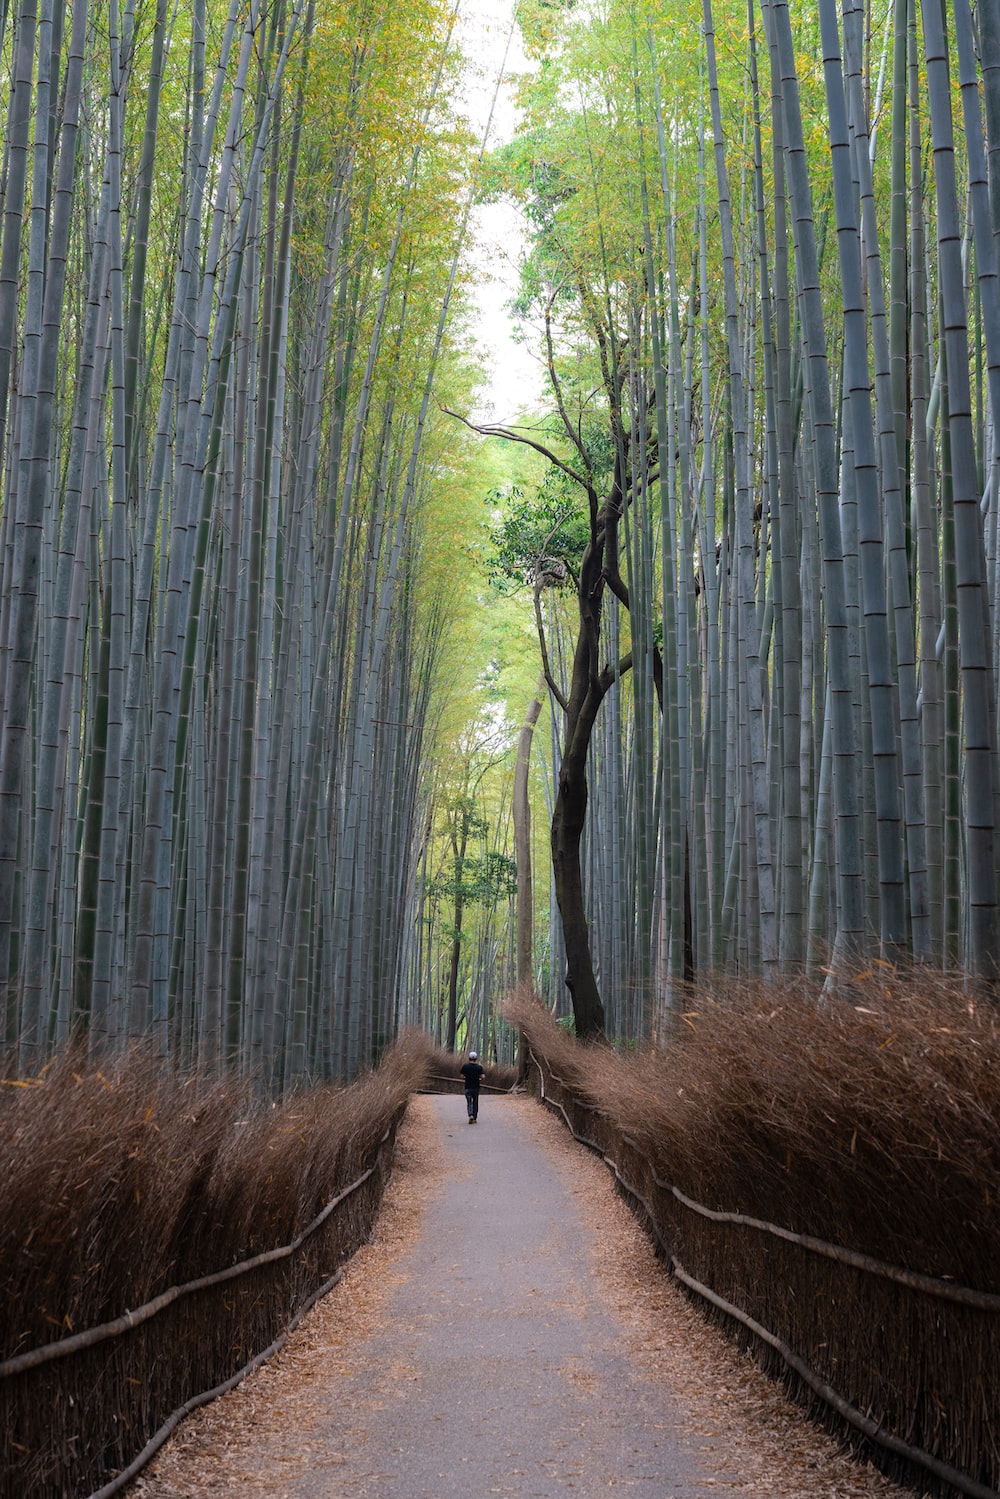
[
  {"x": 855, "y": 1408},
  {"x": 456, "y": 1085},
  {"x": 68, "y": 1422}
]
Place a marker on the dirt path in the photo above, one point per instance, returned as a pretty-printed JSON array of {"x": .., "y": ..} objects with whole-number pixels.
[{"x": 508, "y": 1332}]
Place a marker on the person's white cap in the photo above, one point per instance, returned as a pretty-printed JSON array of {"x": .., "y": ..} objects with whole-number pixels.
[{"x": 472, "y": 1056}]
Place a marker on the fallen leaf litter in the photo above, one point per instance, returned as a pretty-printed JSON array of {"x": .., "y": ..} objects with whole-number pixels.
[{"x": 756, "y": 1443}]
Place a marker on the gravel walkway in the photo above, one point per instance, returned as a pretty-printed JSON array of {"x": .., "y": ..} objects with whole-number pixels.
[{"x": 508, "y": 1332}]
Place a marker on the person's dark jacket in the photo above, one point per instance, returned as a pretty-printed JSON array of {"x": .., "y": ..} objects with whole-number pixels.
[{"x": 473, "y": 1074}]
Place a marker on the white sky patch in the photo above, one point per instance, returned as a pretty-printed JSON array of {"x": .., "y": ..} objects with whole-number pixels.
[
  {"x": 497, "y": 234},
  {"x": 514, "y": 369}
]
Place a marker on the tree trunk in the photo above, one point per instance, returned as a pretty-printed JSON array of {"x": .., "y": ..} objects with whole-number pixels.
[
  {"x": 568, "y": 820},
  {"x": 459, "y": 846},
  {"x": 522, "y": 840}
]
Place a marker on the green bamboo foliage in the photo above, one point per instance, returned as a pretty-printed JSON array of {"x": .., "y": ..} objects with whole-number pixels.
[
  {"x": 220, "y": 647},
  {"x": 228, "y": 321},
  {"x": 817, "y": 413}
]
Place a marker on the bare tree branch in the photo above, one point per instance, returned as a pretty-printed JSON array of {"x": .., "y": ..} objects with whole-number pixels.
[
  {"x": 546, "y": 668},
  {"x": 491, "y": 429},
  {"x": 612, "y": 672}
]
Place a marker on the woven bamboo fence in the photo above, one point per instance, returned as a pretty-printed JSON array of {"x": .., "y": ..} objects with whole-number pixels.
[
  {"x": 86, "y": 1413},
  {"x": 161, "y": 1236},
  {"x": 908, "y": 1363}
]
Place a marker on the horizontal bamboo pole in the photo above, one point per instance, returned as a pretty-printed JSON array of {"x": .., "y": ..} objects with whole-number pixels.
[
  {"x": 444, "y": 1077},
  {"x": 929, "y": 1285},
  {"x": 848, "y": 1412},
  {"x": 170, "y": 1425},
  {"x": 828, "y": 1394},
  {"x": 132, "y": 1319}
]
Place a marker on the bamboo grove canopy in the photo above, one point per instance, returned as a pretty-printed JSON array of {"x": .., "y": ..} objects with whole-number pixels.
[
  {"x": 234, "y": 291},
  {"x": 763, "y": 268},
  {"x": 228, "y": 257}
]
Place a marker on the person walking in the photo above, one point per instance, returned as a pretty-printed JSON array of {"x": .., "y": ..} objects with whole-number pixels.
[{"x": 473, "y": 1074}]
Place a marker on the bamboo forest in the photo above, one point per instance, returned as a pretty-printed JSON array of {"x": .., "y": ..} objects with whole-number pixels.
[{"x": 347, "y": 686}]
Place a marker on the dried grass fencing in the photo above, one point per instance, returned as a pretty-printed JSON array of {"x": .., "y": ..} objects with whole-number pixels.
[
  {"x": 160, "y": 1237},
  {"x": 826, "y": 1179},
  {"x": 445, "y": 1076}
]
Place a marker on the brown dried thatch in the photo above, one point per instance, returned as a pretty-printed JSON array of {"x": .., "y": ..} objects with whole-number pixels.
[
  {"x": 444, "y": 1073},
  {"x": 871, "y": 1123},
  {"x": 125, "y": 1181}
]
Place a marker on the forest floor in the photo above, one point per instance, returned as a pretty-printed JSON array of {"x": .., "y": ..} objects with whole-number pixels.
[{"x": 508, "y": 1331}]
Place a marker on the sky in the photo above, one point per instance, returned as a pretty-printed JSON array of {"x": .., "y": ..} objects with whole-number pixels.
[{"x": 514, "y": 375}]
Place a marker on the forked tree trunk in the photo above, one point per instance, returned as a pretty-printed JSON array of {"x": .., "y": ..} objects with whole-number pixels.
[{"x": 588, "y": 690}]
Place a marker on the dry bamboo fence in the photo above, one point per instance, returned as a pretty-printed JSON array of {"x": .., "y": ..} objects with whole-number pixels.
[
  {"x": 444, "y": 1075},
  {"x": 101, "y": 1391},
  {"x": 909, "y": 1363},
  {"x": 83, "y": 1413}
]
